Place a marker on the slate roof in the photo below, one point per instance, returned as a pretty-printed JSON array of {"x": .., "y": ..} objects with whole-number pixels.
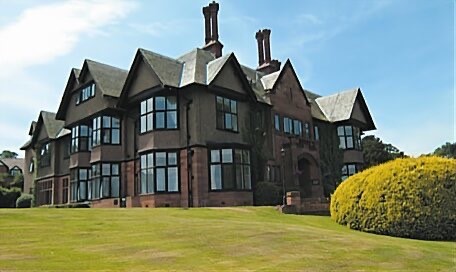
[
  {"x": 109, "y": 79},
  {"x": 338, "y": 107},
  {"x": 52, "y": 125},
  {"x": 11, "y": 163},
  {"x": 314, "y": 107}
]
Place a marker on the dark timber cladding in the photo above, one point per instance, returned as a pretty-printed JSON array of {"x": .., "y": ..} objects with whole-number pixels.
[{"x": 188, "y": 131}]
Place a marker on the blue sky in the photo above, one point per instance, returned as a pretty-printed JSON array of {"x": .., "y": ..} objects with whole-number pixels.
[{"x": 401, "y": 53}]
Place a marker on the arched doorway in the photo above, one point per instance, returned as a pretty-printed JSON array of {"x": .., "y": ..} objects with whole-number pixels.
[{"x": 305, "y": 181}]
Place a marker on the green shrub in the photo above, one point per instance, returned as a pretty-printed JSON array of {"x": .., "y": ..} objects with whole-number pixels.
[
  {"x": 70, "y": 205},
  {"x": 8, "y": 197},
  {"x": 412, "y": 198},
  {"x": 24, "y": 201},
  {"x": 267, "y": 194}
]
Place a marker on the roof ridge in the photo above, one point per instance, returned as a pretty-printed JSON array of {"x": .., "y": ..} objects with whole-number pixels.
[
  {"x": 159, "y": 55},
  {"x": 104, "y": 64}
]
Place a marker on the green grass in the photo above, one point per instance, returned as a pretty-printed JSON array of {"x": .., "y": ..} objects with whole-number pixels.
[{"x": 203, "y": 240}]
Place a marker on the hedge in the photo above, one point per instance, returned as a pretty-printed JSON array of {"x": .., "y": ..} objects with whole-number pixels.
[
  {"x": 267, "y": 194},
  {"x": 8, "y": 197},
  {"x": 412, "y": 198},
  {"x": 24, "y": 201}
]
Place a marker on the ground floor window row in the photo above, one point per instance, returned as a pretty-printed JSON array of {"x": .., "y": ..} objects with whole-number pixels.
[
  {"x": 102, "y": 180},
  {"x": 44, "y": 189}
]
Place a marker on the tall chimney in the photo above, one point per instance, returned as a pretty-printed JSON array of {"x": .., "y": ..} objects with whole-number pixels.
[
  {"x": 266, "y": 64},
  {"x": 212, "y": 45},
  {"x": 207, "y": 24},
  {"x": 267, "y": 45},
  {"x": 259, "y": 38},
  {"x": 214, "y": 7}
]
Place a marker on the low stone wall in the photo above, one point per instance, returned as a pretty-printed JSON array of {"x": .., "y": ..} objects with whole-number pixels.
[{"x": 296, "y": 205}]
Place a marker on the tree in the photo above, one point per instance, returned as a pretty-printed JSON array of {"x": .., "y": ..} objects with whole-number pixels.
[
  {"x": 447, "y": 150},
  {"x": 331, "y": 158},
  {"x": 377, "y": 152},
  {"x": 6, "y": 154}
]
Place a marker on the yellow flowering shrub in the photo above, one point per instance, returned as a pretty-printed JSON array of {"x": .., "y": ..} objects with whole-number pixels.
[{"x": 411, "y": 197}]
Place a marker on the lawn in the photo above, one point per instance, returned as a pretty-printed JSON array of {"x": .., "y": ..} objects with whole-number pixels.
[{"x": 209, "y": 239}]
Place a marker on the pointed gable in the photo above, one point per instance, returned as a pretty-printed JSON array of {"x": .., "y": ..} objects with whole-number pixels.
[
  {"x": 47, "y": 127},
  {"x": 346, "y": 105},
  {"x": 222, "y": 72},
  {"x": 286, "y": 75},
  {"x": 72, "y": 83}
]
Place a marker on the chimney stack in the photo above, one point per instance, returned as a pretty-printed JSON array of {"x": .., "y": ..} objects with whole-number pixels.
[
  {"x": 266, "y": 65},
  {"x": 212, "y": 45},
  {"x": 259, "y": 37},
  {"x": 207, "y": 24}
]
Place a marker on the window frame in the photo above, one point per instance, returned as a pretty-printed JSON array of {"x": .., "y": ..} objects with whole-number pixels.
[
  {"x": 234, "y": 166},
  {"x": 99, "y": 177},
  {"x": 100, "y": 130},
  {"x": 277, "y": 123},
  {"x": 151, "y": 102},
  {"x": 345, "y": 171},
  {"x": 81, "y": 93},
  {"x": 151, "y": 167},
  {"x": 75, "y": 179},
  {"x": 45, "y": 155},
  {"x": 221, "y": 114},
  {"x": 355, "y": 135},
  {"x": 76, "y": 139}
]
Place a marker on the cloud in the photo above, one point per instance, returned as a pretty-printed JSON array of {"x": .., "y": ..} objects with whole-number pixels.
[
  {"x": 43, "y": 33},
  {"x": 306, "y": 18},
  {"x": 38, "y": 36}
]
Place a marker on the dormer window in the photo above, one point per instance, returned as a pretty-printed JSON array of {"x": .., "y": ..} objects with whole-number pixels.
[{"x": 85, "y": 93}]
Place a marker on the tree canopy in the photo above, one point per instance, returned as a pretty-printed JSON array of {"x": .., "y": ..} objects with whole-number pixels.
[
  {"x": 377, "y": 152},
  {"x": 6, "y": 154},
  {"x": 447, "y": 150}
]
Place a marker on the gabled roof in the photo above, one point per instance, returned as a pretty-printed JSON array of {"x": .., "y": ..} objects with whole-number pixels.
[
  {"x": 46, "y": 120},
  {"x": 195, "y": 67},
  {"x": 109, "y": 79},
  {"x": 315, "y": 110},
  {"x": 339, "y": 107},
  {"x": 11, "y": 163},
  {"x": 168, "y": 70}
]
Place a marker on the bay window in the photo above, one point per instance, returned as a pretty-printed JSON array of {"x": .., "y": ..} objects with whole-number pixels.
[
  {"x": 230, "y": 169},
  {"x": 106, "y": 130},
  {"x": 349, "y": 170},
  {"x": 159, "y": 112},
  {"x": 80, "y": 138},
  {"x": 159, "y": 172},
  {"x": 349, "y": 137},
  {"x": 78, "y": 184},
  {"x": 105, "y": 181}
]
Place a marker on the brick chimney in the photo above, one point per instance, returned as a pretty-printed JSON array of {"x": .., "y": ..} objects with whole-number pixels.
[
  {"x": 259, "y": 37},
  {"x": 265, "y": 64},
  {"x": 212, "y": 45}
]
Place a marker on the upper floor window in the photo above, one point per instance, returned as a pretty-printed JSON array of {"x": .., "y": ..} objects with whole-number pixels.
[
  {"x": 105, "y": 181},
  {"x": 227, "y": 117},
  {"x": 316, "y": 133},
  {"x": 80, "y": 138},
  {"x": 297, "y": 127},
  {"x": 45, "y": 155},
  {"x": 287, "y": 125},
  {"x": 105, "y": 130},
  {"x": 15, "y": 171},
  {"x": 277, "y": 122},
  {"x": 86, "y": 93},
  {"x": 159, "y": 172},
  {"x": 349, "y": 137},
  {"x": 158, "y": 112},
  {"x": 78, "y": 184},
  {"x": 32, "y": 165},
  {"x": 230, "y": 169}
]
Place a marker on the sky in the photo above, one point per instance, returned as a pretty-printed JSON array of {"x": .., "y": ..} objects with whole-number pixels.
[{"x": 399, "y": 52}]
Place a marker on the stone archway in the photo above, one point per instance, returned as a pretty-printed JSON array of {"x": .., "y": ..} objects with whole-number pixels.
[{"x": 305, "y": 180}]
